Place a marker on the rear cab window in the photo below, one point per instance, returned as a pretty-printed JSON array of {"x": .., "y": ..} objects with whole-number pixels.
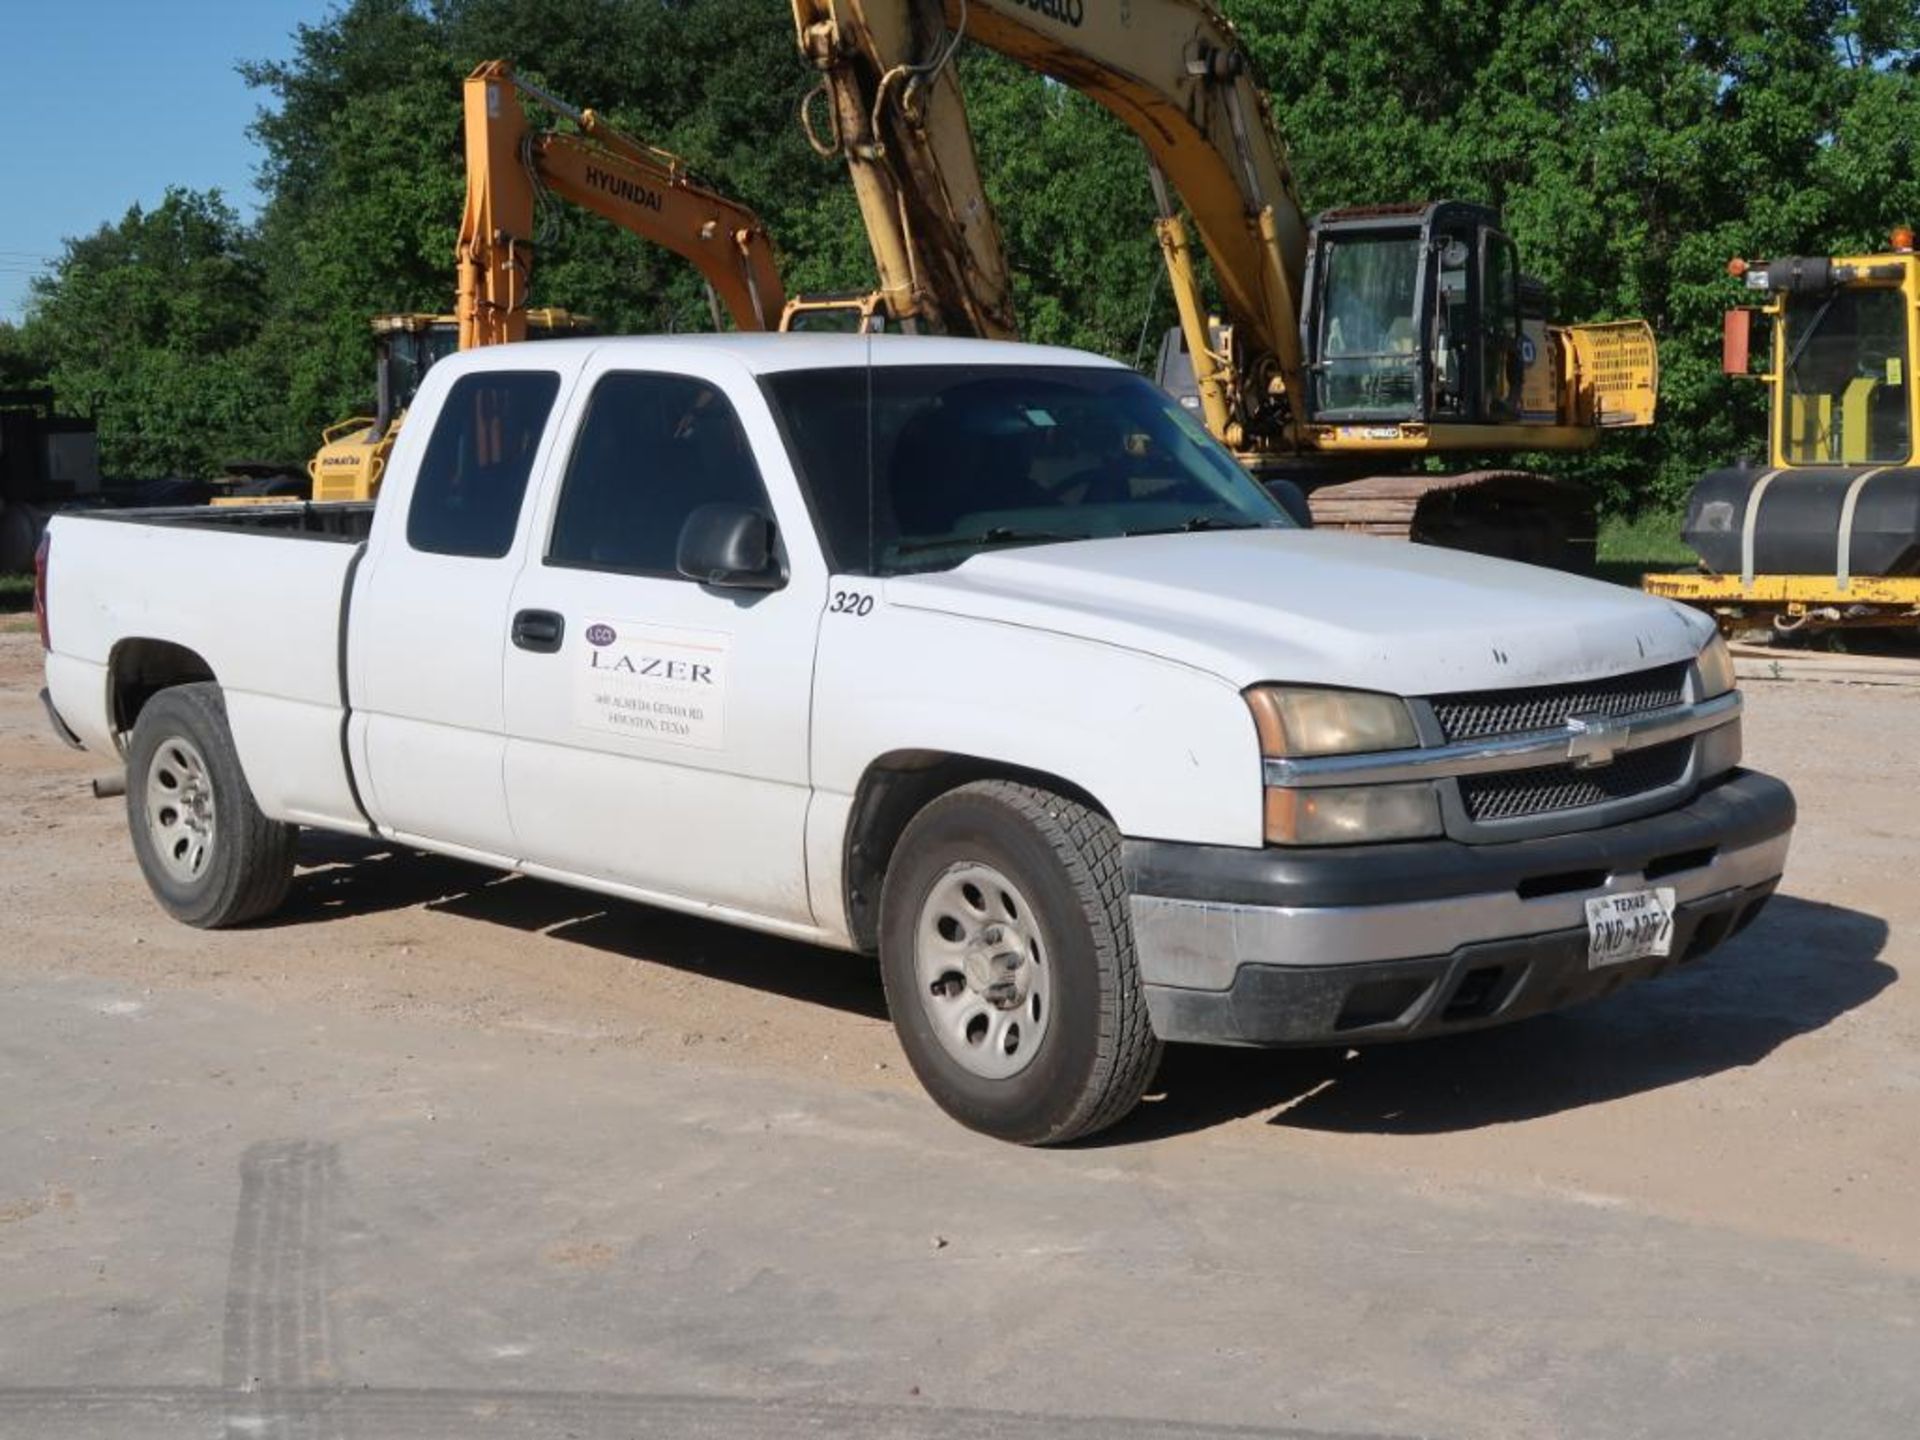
[{"x": 473, "y": 478}]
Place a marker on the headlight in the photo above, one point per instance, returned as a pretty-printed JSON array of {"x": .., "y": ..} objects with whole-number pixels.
[
  {"x": 1715, "y": 668},
  {"x": 1352, "y": 814},
  {"x": 1328, "y": 722},
  {"x": 1299, "y": 723}
]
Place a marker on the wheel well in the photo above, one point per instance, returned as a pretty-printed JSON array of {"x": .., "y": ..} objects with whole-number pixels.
[
  {"x": 140, "y": 669},
  {"x": 895, "y": 788}
]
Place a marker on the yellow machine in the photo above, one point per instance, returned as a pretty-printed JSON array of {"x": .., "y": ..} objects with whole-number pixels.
[
  {"x": 1827, "y": 533},
  {"x": 352, "y": 457},
  {"x": 1385, "y": 334},
  {"x": 513, "y": 172}
]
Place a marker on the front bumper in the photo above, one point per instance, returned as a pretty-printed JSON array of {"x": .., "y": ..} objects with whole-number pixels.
[{"x": 1387, "y": 942}]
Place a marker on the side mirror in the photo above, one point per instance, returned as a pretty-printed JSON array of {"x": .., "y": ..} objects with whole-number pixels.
[{"x": 729, "y": 546}]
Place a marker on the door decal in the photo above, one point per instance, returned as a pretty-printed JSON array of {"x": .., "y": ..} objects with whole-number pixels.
[{"x": 652, "y": 682}]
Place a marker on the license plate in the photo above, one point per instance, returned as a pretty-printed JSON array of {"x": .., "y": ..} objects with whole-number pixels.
[{"x": 1632, "y": 925}]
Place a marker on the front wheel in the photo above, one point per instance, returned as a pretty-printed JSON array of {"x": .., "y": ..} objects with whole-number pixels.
[
  {"x": 1008, "y": 959},
  {"x": 210, "y": 857}
]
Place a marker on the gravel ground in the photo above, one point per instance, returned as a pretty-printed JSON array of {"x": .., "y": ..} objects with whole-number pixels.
[{"x": 443, "y": 1151}]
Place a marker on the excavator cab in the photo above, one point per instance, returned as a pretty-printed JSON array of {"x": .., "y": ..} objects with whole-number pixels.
[
  {"x": 353, "y": 454},
  {"x": 405, "y": 348},
  {"x": 1414, "y": 313}
]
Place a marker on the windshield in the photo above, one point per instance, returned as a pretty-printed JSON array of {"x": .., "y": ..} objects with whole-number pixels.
[
  {"x": 1846, "y": 379},
  {"x": 1369, "y": 337},
  {"x": 965, "y": 458}
]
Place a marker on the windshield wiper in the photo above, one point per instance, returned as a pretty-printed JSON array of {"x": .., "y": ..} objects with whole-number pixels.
[
  {"x": 1813, "y": 325},
  {"x": 992, "y": 535},
  {"x": 1198, "y": 522}
]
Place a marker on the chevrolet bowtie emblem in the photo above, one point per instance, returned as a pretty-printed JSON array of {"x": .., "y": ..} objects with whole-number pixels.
[{"x": 1593, "y": 740}]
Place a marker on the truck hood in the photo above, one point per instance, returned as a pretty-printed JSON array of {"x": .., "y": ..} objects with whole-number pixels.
[{"x": 1318, "y": 608}]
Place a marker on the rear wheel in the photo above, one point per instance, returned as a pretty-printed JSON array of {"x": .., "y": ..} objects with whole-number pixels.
[
  {"x": 210, "y": 857},
  {"x": 1008, "y": 959}
]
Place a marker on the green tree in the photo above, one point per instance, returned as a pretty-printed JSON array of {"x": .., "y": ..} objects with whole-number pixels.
[
  {"x": 20, "y": 361},
  {"x": 149, "y": 325},
  {"x": 362, "y": 178}
]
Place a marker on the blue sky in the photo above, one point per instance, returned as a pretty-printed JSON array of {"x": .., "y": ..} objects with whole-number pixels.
[{"x": 107, "y": 102}]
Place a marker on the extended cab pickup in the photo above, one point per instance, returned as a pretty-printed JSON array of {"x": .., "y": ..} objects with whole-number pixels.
[{"x": 980, "y": 656}]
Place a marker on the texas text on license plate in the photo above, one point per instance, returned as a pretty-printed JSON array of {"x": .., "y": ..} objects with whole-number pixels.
[{"x": 1632, "y": 925}]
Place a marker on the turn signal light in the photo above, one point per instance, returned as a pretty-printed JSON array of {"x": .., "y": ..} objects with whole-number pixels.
[
  {"x": 1352, "y": 814},
  {"x": 1736, "y": 267},
  {"x": 1902, "y": 238}
]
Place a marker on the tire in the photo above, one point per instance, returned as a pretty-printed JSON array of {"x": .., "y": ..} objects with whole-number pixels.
[
  {"x": 210, "y": 857},
  {"x": 1019, "y": 1005}
]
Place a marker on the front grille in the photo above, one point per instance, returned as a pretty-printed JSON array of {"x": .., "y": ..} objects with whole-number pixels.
[
  {"x": 1476, "y": 714},
  {"x": 1547, "y": 789}
]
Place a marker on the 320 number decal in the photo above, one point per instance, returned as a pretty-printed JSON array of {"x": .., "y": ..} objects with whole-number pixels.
[{"x": 850, "y": 602}]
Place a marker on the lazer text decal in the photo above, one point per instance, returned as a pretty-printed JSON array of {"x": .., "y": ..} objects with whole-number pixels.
[{"x": 653, "y": 682}]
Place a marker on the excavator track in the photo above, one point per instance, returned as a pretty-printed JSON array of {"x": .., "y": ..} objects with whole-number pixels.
[{"x": 1511, "y": 514}]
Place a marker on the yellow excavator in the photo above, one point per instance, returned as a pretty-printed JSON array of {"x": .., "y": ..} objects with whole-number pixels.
[
  {"x": 352, "y": 458},
  {"x": 1826, "y": 534},
  {"x": 1367, "y": 339},
  {"x": 515, "y": 172}
]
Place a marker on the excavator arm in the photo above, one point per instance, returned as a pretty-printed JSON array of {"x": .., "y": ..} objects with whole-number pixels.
[
  {"x": 1172, "y": 71},
  {"x": 893, "y": 109},
  {"x": 511, "y": 167}
]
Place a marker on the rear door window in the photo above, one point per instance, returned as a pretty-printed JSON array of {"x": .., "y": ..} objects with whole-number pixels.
[{"x": 473, "y": 479}]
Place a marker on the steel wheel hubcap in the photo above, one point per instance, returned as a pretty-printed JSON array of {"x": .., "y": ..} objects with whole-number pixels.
[
  {"x": 180, "y": 818},
  {"x": 983, "y": 972}
]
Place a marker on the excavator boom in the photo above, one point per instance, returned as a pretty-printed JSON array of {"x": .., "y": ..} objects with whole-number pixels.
[
  {"x": 511, "y": 167},
  {"x": 1177, "y": 76},
  {"x": 1389, "y": 333},
  {"x": 1172, "y": 71},
  {"x": 893, "y": 109}
]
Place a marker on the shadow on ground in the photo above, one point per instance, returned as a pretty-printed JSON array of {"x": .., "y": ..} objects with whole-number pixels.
[
  {"x": 342, "y": 875},
  {"x": 1798, "y": 968}
]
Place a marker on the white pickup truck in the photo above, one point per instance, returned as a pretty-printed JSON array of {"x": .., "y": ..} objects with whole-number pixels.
[{"x": 979, "y": 656}]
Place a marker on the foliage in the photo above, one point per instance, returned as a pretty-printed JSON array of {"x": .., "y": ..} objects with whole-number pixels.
[
  {"x": 1632, "y": 545},
  {"x": 1634, "y": 145},
  {"x": 147, "y": 325}
]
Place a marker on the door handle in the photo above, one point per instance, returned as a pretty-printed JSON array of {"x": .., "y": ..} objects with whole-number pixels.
[{"x": 538, "y": 630}]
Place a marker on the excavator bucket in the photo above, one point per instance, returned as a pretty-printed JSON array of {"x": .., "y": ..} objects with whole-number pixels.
[{"x": 1616, "y": 373}]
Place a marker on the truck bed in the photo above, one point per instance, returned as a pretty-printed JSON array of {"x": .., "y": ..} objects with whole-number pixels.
[
  {"x": 242, "y": 593},
  {"x": 292, "y": 520}
]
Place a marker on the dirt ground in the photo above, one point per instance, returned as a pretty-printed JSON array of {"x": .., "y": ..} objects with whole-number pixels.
[{"x": 1771, "y": 1093}]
